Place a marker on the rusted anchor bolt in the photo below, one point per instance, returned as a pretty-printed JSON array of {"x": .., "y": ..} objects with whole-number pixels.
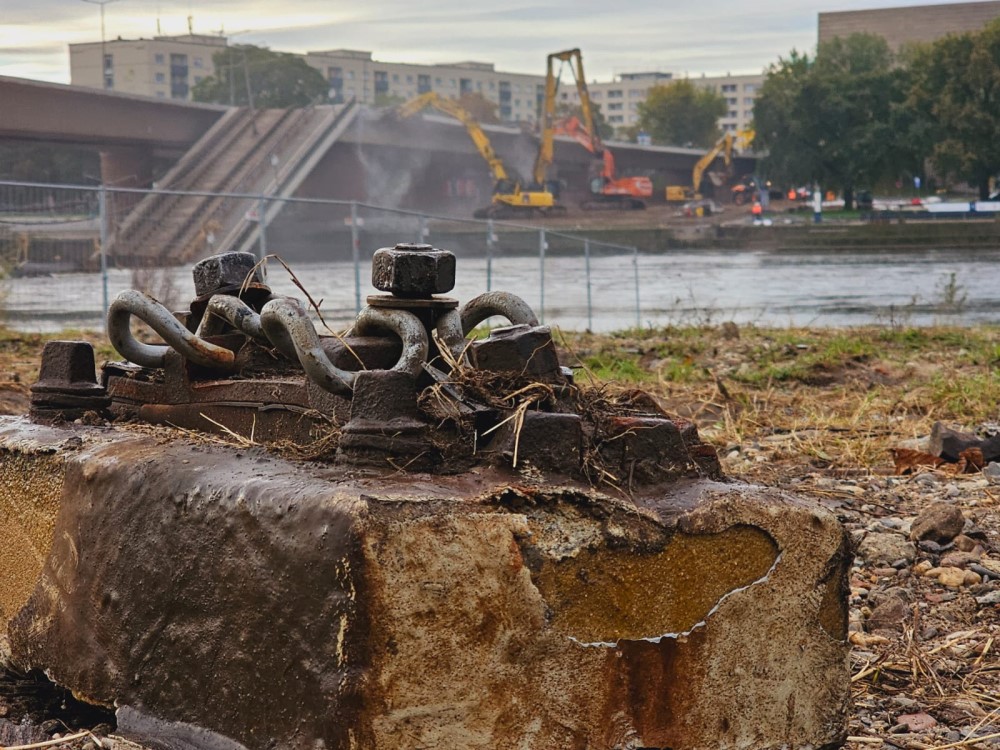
[
  {"x": 224, "y": 273},
  {"x": 413, "y": 270},
  {"x": 66, "y": 380}
]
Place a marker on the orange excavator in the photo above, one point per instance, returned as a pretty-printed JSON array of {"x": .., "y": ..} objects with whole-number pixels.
[{"x": 606, "y": 188}]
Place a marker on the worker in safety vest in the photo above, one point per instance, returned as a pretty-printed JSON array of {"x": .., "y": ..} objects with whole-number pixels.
[{"x": 757, "y": 209}]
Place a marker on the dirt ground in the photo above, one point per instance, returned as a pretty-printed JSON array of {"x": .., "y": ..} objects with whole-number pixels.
[{"x": 828, "y": 414}]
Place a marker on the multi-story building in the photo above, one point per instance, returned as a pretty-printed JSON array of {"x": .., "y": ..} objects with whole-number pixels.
[
  {"x": 354, "y": 74},
  {"x": 619, "y": 99},
  {"x": 164, "y": 66},
  {"x": 910, "y": 24},
  {"x": 170, "y": 66}
]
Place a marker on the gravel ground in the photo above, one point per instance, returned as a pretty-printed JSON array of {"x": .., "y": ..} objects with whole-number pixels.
[{"x": 817, "y": 412}]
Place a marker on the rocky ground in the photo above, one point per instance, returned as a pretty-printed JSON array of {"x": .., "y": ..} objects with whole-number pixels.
[{"x": 832, "y": 414}]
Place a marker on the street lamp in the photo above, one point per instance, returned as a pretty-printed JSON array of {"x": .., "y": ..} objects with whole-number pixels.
[{"x": 102, "y": 3}]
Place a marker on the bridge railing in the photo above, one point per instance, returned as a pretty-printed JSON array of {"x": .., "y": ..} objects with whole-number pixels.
[{"x": 60, "y": 269}]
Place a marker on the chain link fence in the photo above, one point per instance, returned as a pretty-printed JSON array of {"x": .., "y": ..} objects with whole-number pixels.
[{"x": 65, "y": 250}]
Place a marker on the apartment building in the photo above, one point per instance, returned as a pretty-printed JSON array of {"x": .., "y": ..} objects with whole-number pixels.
[
  {"x": 910, "y": 24},
  {"x": 164, "y": 66},
  {"x": 355, "y": 74},
  {"x": 619, "y": 99}
]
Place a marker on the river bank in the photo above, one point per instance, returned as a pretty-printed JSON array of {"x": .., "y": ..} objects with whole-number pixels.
[{"x": 819, "y": 412}]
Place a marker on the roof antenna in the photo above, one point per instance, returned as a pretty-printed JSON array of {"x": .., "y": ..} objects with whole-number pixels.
[{"x": 190, "y": 24}]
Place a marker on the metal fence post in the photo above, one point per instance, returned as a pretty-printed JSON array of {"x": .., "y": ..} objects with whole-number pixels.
[
  {"x": 356, "y": 256},
  {"x": 102, "y": 209},
  {"x": 586, "y": 261},
  {"x": 262, "y": 228},
  {"x": 541, "y": 275},
  {"x": 635, "y": 267},
  {"x": 490, "y": 239}
]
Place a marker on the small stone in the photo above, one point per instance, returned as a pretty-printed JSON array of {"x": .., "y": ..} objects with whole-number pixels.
[
  {"x": 922, "y": 567},
  {"x": 888, "y": 615},
  {"x": 953, "y": 578},
  {"x": 992, "y": 471},
  {"x": 972, "y": 578},
  {"x": 933, "y": 572},
  {"x": 966, "y": 543},
  {"x": 991, "y": 598},
  {"x": 900, "y": 563},
  {"x": 959, "y": 559},
  {"x": 919, "y": 722},
  {"x": 986, "y": 573},
  {"x": 884, "y": 572},
  {"x": 929, "y": 546},
  {"x": 992, "y": 565},
  {"x": 940, "y": 522},
  {"x": 885, "y": 547}
]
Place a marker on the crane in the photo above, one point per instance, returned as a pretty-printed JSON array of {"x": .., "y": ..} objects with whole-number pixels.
[
  {"x": 608, "y": 190},
  {"x": 724, "y": 146},
  {"x": 509, "y": 199}
]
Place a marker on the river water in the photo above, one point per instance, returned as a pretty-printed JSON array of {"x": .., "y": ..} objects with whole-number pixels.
[{"x": 830, "y": 289}]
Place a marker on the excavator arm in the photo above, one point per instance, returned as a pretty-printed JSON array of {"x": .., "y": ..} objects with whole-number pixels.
[
  {"x": 454, "y": 109},
  {"x": 724, "y": 146},
  {"x": 549, "y": 126}
]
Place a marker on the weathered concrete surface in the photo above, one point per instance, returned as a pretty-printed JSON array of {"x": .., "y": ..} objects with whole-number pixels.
[{"x": 286, "y": 605}]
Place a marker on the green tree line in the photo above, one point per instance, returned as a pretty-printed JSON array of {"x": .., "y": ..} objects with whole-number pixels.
[{"x": 856, "y": 114}]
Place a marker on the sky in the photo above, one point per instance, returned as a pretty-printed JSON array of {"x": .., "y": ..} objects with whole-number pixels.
[{"x": 693, "y": 37}]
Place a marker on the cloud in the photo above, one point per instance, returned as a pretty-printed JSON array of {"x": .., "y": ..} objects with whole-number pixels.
[{"x": 710, "y": 36}]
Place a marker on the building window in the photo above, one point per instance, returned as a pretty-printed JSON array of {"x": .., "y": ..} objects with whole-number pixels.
[
  {"x": 493, "y": 85},
  {"x": 636, "y": 92},
  {"x": 161, "y": 78},
  {"x": 595, "y": 95},
  {"x": 750, "y": 87},
  {"x": 198, "y": 79},
  {"x": 161, "y": 94},
  {"x": 748, "y": 101},
  {"x": 198, "y": 62},
  {"x": 437, "y": 81},
  {"x": 350, "y": 75},
  {"x": 158, "y": 59},
  {"x": 615, "y": 94},
  {"x": 616, "y": 107},
  {"x": 452, "y": 82},
  {"x": 381, "y": 82},
  {"x": 731, "y": 101},
  {"x": 616, "y": 119},
  {"x": 517, "y": 103},
  {"x": 728, "y": 88},
  {"x": 109, "y": 71},
  {"x": 423, "y": 84},
  {"x": 395, "y": 77},
  {"x": 409, "y": 79},
  {"x": 179, "y": 76},
  {"x": 733, "y": 113},
  {"x": 465, "y": 86}
]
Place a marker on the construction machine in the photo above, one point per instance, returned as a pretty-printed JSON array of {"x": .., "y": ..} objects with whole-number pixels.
[
  {"x": 606, "y": 188},
  {"x": 724, "y": 147},
  {"x": 509, "y": 198}
]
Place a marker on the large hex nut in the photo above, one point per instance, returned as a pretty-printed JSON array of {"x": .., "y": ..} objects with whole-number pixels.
[
  {"x": 413, "y": 270},
  {"x": 224, "y": 272}
]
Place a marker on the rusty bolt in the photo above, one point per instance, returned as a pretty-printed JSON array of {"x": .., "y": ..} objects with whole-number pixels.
[
  {"x": 413, "y": 270},
  {"x": 67, "y": 367},
  {"x": 225, "y": 272}
]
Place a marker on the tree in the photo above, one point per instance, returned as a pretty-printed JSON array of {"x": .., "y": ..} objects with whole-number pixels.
[
  {"x": 834, "y": 119},
  {"x": 682, "y": 114},
  {"x": 956, "y": 98},
  {"x": 277, "y": 79}
]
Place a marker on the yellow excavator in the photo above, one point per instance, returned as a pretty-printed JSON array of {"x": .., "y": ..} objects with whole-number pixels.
[
  {"x": 510, "y": 200},
  {"x": 606, "y": 188},
  {"x": 724, "y": 146}
]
